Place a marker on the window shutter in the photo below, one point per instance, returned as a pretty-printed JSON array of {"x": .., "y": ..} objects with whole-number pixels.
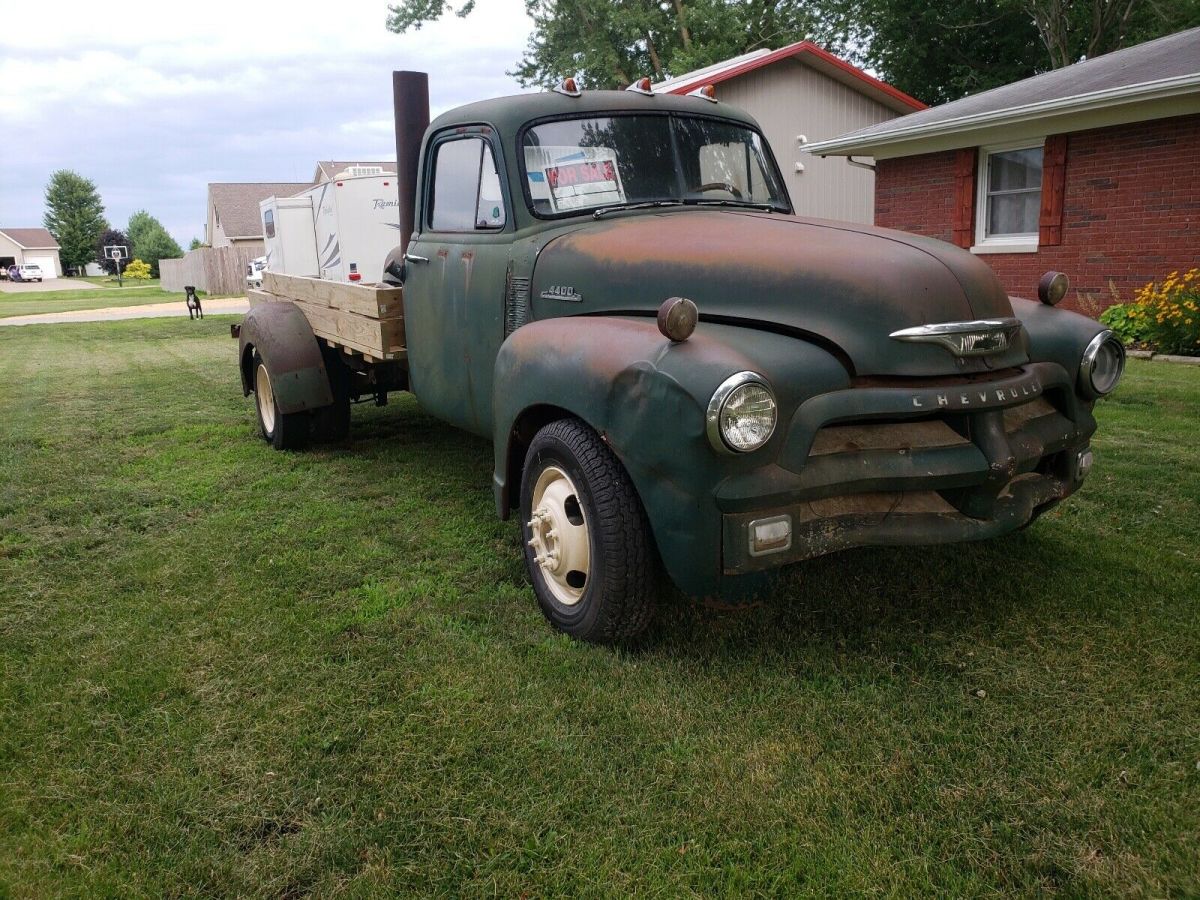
[
  {"x": 964, "y": 196},
  {"x": 1054, "y": 178}
]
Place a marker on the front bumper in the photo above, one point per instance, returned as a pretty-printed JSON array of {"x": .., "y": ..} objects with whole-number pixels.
[{"x": 923, "y": 463}]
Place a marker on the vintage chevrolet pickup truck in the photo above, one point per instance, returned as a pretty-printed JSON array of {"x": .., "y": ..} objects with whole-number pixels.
[{"x": 675, "y": 370}]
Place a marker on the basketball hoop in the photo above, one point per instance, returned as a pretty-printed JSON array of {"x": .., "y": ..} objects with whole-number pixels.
[{"x": 116, "y": 251}]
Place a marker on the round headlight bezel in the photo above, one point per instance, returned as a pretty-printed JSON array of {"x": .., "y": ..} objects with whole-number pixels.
[
  {"x": 1087, "y": 366},
  {"x": 723, "y": 394}
]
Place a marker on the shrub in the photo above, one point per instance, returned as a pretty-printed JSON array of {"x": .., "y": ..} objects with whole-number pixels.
[
  {"x": 137, "y": 269},
  {"x": 1168, "y": 313},
  {"x": 1124, "y": 324}
]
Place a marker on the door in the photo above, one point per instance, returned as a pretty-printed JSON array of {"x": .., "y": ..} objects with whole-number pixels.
[
  {"x": 48, "y": 265},
  {"x": 454, "y": 281}
]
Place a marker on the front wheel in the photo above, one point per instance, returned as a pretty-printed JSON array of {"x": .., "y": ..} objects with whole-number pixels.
[
  {"x": 588, "y": 547},
  {"x": 283, "y": 431}
]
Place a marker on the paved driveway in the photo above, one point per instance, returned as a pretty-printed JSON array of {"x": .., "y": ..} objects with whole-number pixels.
[{"x": 52, "y": 284}]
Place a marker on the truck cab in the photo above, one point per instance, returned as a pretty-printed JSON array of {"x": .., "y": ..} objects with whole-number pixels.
[{"x": 678, "y": 374}]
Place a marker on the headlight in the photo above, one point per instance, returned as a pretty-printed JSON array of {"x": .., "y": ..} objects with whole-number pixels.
[
  {"x": 1102, "y": 365},
  {"x": 741, "y": 414}
]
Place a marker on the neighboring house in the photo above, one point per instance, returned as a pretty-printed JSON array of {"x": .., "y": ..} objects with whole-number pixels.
[
  {"x": 30, "y": 246},
  {"x": 1092, "y": 170},
  {"x": 327, "y": 169},
  {"x": 233, "y": 218},
  {"x": 799, "y": 94}
]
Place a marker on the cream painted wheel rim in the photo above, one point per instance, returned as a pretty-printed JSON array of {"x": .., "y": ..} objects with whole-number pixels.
[
  {"x": 559, "y": 535},
  {"x": 265, "y": 397}
]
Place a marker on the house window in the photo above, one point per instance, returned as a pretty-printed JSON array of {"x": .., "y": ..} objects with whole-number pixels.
[{"x": 1010, "y": 199}]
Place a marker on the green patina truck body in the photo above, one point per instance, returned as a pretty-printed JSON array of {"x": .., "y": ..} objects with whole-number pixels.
[{"x": 822, "y": 386}]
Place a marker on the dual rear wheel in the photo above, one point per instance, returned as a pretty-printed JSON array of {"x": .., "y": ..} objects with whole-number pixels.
[{"x": 293, "y": 431}]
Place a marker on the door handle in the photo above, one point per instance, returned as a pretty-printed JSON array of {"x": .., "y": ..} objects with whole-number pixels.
[{"x": 412, "y": 257}]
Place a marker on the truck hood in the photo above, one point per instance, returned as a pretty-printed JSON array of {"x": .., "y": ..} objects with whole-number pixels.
[{"x": 844, "y": 286}]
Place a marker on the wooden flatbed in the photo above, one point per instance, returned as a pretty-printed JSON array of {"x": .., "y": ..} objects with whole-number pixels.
[{"x": 366, "y": 320}]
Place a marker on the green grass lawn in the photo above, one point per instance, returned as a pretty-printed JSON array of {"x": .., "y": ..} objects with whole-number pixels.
[
  {"x": 132, "y": 293},
  {"x": 230, "y": 671}
]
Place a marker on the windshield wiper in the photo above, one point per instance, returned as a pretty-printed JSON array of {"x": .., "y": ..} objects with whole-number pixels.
[
  {"x": 649, "y": 204},
  {"x": 766, "y": 207}
]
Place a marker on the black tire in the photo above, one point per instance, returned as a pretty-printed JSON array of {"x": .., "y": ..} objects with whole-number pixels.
[
  {"x": 617, "y": 599},
  {"x": 283, "y": 432},
  {"x": 332, "y": 423}
]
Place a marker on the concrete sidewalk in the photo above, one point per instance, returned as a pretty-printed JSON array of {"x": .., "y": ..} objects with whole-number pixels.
[{"x": 222, "y": 306}]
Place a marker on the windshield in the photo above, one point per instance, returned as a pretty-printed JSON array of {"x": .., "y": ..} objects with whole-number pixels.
[{"x": 590, "y": 163}]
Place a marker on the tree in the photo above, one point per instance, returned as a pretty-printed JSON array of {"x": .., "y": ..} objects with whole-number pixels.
[
  {"x": 151, "y": 242},
  {"x": 937, "y": 51},
  {"x": 1074, "y": 31},
  {"x": 74, "y": 215},
  {"x": 196, "y": 244},
  {"x": 609, "y": 45},
  {"x": 107, "y": 238},
  {"x": 942, "y": 50}
]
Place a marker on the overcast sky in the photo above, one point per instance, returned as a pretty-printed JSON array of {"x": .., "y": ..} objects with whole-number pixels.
[{"x": 152, "y": 100}]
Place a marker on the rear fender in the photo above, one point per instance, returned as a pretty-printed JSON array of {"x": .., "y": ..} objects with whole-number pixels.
[{"x": 285, "y": 341}]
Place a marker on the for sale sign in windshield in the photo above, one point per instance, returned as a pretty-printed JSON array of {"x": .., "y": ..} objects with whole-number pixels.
[{"x": 575, "y": 177}]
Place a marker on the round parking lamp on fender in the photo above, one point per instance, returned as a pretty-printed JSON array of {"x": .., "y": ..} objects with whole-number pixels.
[
  {"x": 677, "y": 318},
  {"x": 1052, "y": 287}
]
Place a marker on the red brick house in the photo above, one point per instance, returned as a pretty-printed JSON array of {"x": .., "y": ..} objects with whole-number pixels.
[{"x": 1093, "y": 170}]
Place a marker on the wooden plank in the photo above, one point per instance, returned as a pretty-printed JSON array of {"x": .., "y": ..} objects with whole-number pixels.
[
  {"x": 380, "y": 336},
  {"x": 365, "y": 352},
  {"x": 375, "y": 301},
  {"x": 376, "y": 338},
  {"x": 257, "y": 297}
]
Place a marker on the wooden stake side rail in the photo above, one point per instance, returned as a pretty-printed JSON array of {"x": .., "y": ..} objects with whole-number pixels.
[{"x": 363, "y": 319}]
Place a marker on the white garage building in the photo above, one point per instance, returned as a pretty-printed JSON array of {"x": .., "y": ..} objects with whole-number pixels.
[{"x": 30, "y": 246}]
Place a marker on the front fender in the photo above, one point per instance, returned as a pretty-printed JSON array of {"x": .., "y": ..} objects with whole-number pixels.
[
  {"x": 1056, "y": 335},
  {"x": 285, "y": 341},
  {"x": 647, "y": 398}
]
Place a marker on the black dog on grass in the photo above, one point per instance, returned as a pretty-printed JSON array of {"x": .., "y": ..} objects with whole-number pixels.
[{"x": 193, "y": 303}]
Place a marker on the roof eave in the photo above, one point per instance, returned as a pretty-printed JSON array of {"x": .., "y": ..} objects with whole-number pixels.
[
  {"x": 1063, "y": 107},
  {"x": 809, "y": 54}
]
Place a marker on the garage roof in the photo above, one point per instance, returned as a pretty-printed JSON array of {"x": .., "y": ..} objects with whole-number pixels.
[
  {"x": 31, "y": 238},
  {"x": 802, "y": 51}
]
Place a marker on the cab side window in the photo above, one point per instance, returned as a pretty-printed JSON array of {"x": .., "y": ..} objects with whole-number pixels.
[{"x": 466, "y": 187}]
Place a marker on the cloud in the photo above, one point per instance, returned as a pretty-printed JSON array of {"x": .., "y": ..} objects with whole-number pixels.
[{"x": 155, "y": 103}]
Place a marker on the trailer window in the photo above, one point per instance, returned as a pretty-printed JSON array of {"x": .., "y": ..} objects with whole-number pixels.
[
  {"x": 466, "y": 187},
  {"x": 269, "y": 223}
]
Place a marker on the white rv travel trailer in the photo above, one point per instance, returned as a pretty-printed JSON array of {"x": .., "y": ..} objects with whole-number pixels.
[
  {"x": 288, "y": 235},
  {"x": 340, "y": 230}
]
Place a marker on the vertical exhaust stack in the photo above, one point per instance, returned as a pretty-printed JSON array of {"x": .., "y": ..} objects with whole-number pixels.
[{"x": 410, "y": 96}]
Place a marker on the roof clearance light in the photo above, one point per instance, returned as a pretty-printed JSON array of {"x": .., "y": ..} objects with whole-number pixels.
[
  {"x": 707, "y": 91},
  {"x": 641, "y": 86},
  {"x": 569, "y": 87}
]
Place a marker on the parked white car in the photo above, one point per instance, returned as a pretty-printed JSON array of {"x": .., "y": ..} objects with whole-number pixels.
[
  {"x": 31, "y": 272},
  {"x": 254, "y": 272}
]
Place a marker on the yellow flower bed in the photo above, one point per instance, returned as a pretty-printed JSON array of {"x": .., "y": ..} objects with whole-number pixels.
[{"x": 1167, "y": 313}]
